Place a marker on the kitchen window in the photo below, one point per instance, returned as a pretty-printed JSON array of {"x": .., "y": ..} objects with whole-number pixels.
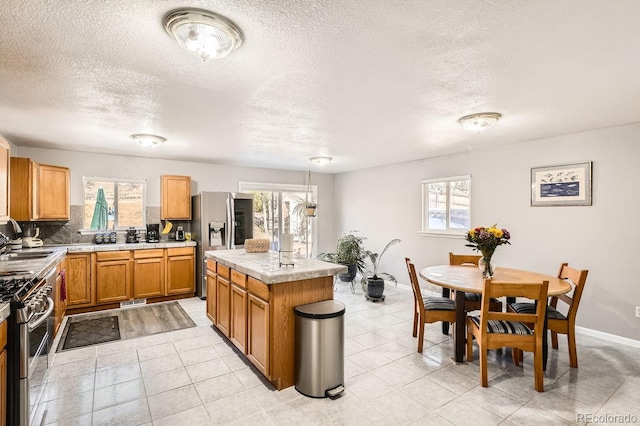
[
  {"x": 123, "y": 201},
  {"x": 446, "y": 205},
  {"x": 280, "y": 208}
]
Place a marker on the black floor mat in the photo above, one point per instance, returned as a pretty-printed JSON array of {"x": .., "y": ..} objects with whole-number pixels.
[{"x": 91, "y": 331}]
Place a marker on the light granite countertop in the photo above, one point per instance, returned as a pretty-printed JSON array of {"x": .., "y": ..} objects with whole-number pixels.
[
  {"x": 266, "y": 266},
  {"x": 4, "y": 311},
  {"x": 89, "y": 248}
]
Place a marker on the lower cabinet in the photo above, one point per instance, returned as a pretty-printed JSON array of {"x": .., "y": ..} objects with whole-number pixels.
[
  {"x": 223, "y": 300},
  {"x": 211, "y": 290},
  {"x": 113, "y": 276},
  {"x": 258, "y": 333},
  {"x": 80, "y": 284},
  {"x": 148, "y": 273},
  {"x": 180, "y": 270},
  {"x": 238, "y": 329}
]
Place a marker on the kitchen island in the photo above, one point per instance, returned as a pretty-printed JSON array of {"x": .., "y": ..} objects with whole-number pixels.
[{"x": 250, "y": 300}]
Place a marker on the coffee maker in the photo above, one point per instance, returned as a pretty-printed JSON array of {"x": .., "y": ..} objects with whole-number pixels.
[
  {"x": 153, "y": 233},
  {"x": 132, "y": 235}
]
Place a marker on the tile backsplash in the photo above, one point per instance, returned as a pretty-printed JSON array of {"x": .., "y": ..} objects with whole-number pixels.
[{"x": 69, "y": 232}]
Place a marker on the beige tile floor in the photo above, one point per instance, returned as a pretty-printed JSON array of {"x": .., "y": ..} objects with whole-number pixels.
[{"x": 193, "y": 377}]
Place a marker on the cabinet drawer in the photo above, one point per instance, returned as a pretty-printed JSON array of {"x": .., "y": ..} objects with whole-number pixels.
[
  {"x": 258, "y": 288},
  {"x": 238, "y": 278},
  {"x": 211, "y": 265},
  {"x": 180, "y": 251},
  {"x": 3, "y": 335},
  {"x": 101, "y": 256},
  {"x": 223, "y": 271},
  {"x": 146, "y": 254}
]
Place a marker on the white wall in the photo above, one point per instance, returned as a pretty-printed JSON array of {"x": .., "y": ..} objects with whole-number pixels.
[
  {"x": 205, "y": 177},
  {"x": 385, "y": 203}
]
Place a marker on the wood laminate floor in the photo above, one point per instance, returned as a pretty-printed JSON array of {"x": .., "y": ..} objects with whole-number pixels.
[{"x": 140, "y": 321}]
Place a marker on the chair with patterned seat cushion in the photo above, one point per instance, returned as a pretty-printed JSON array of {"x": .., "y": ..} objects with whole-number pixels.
[
  {"x": 494, "y": 330},
  {"x": 557, "y": 322},
  {"x": 429, "y": 309},
  {"x": 471, "y": 300}
]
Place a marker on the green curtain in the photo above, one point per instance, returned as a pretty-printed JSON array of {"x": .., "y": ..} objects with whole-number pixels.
[{"x": 99, "y": 220}]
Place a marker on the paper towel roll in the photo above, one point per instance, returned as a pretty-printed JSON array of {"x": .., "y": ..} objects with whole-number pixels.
[{"x": 287, "y": 248}]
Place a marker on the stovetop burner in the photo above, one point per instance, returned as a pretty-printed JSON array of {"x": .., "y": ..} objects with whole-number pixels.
[{"x": 15, "y": 289}]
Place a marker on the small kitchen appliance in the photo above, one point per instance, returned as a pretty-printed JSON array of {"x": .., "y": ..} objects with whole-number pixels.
[
  {"x": 153, "y": 233},
  {"x": 32, "y": 241},
  {"x": 180, "y": 234},
  {"x": 132, "y": 235}
]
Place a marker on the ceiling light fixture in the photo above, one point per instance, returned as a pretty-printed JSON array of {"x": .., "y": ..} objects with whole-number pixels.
[
  {"x": 148, "y": 141},
  {"x": 203, "y": 33},
  {"x": 480, "y": 121},
  {"x": 320, "y": 161}
]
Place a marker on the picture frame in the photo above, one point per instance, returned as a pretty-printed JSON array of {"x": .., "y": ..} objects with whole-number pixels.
[{"x": 561, "y": 185}]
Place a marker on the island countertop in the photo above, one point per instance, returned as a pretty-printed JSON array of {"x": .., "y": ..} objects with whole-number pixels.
[{"x": 266, "y": 266}]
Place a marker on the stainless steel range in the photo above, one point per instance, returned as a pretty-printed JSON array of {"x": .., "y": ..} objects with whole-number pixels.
[{"x": 30, "y": 335}]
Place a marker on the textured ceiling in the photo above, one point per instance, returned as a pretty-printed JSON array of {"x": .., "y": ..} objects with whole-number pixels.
[{"x": 365, "y": 82}]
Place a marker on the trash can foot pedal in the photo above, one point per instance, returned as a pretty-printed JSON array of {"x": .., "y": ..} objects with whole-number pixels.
[{"x": 335, "y": 392}]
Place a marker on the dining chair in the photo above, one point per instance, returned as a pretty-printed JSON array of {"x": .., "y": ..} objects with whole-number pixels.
[
  {"x": 429, "y": 309},
  {"x": 494, "y": 330},
  {"x": 557, "y": 322},
  {"x": 471, "y": 300}
]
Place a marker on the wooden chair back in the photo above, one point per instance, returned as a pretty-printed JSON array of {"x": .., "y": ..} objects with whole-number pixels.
[
  {"x": 533, "y": 291},
  {"x": 464, "y": 259},
  {"x": 577, "y": 277},
  {"x": 415, "y": 285}
]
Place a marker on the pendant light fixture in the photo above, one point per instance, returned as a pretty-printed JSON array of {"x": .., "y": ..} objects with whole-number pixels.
[
  {"x": 480, "y": 121},
  {"x": 310, "y": 206},
  {"x": 203, "y": 33}
]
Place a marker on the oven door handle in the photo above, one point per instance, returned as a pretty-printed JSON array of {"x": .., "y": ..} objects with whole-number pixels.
[{"x": 44, "y": 316}]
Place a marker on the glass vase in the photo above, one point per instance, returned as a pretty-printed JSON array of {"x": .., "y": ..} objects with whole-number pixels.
[{"x": 486, "y": 266}]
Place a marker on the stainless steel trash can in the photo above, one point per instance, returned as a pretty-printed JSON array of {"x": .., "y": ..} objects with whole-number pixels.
[{"x": 319, "y": 362}]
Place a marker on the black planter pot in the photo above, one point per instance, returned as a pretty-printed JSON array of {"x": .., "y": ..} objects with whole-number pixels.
[
  {"x": 375, "y": 289},
  {"x": 350, "y": 275}
]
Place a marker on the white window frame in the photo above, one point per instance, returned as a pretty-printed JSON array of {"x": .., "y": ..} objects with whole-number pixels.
[
  {"x": 143, "y": 182},
  {"x": 244, "y": 187},
  {"x": 448, "y": 232}
]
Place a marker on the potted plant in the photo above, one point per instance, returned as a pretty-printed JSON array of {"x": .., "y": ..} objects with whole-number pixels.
[
  {"x": 373, "y": 281},
  {"x": 350, "y": 252}
]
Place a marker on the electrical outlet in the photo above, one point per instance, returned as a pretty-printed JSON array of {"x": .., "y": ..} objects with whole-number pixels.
[{"x": 637, "y": 311}]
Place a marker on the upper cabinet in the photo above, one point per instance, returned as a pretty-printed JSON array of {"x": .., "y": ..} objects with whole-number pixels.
[
  {"x": 39, "y": 191},
  {"x": 175, "y": 197},
  {"x": 4, "y": 179}
]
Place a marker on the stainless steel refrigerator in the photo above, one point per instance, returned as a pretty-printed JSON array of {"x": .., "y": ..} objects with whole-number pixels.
[{"x": 220, "y": 221}]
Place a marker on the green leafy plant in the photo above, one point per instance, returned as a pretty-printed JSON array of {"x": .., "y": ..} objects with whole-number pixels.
[
  {"x": 349, "y": 251},
  {"x": 375, "y": 262}
]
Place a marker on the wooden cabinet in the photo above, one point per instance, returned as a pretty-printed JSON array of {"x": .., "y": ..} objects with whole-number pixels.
[
  {"x": 80, "y": 280},
  {"x": 60, "y": 302},
  {"x": 175, "y": 197},
  {"x": 238, "y": 309},
  {"x": 223, "y": 300},
  {"x": 38, "y": 191},
  {"x": 148, "y": 273},
  {"x": 113, "y": 276},
  {"x": 258, "y": 337},
  {"x": 211, "y": 290},
  {"x": 3, "y": 373},
  {"x": 180, "y": 270},
  {"x": 5, "y": 160}
]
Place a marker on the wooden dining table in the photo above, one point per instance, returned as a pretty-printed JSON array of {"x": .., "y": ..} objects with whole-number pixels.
[{"x": 468, "y": 279}]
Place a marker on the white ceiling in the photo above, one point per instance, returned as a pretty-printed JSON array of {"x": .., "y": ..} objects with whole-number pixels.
[{"x": 367, "y": 82}]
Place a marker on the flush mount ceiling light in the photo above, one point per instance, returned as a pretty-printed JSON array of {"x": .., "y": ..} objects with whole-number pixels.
[
  {"x": 203, "y": 33},
  {"x": 148, "y": 141},
  {"x": 480, "y": 121},
  {"x": 320, "y": 161}
]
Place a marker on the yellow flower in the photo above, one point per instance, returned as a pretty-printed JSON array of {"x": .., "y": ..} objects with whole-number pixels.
[{"x": 496, "y": 232}]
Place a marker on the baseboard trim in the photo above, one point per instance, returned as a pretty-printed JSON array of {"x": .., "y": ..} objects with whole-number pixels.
[{"x": 607, "y": 336}]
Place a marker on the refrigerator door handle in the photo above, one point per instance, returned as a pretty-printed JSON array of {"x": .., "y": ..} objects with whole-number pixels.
[{"x": 231, "y": 219}]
